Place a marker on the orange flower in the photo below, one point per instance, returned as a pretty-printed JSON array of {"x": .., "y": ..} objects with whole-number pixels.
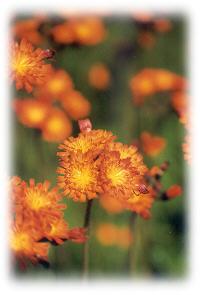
[
  {"x": 92, "y": 143},
  {"x": 106, "y": 234},
  {"x": 79, "y": 178},
  {"x": 117, "y": 176},
  {"x": 141, "y": 204},
  {"x": 27, "y": 66},
  {"x": 89, "y": 30},
  {"x": 179, "y": 101},
  {"x": 24, "y": 243},
  {"x": 28, "y": 29},
  {"x": 152, "y": 145},
  {"x": 129, "y": 152},
  {"x": 99, "y": 76},
  {"x": 109, "y": 234},
  {"x": 63, "y": 33},
  {"x": 186, "y": 148},
  {"x": 174, "y": 191},
  {"x": 162, "y": 25},
  {"x": 141, "y": 85},
  {"x": 58, "y": 83},
  {"x": 57, "y": 126},
  {"x": 37, "y": 202},
  {"x": 166, "y": 80},
  {"x": 31, "y": 112},
  {"x": 76, "y": 105},
  {"x": 150, "y": 81},
  {"x": 110, "y": 204}
]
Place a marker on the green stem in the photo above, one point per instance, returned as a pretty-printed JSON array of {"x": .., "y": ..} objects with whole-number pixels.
[{"x": 87, "y": 220}]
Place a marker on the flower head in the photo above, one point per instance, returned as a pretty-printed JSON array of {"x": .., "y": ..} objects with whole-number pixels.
[
  {"x": 174, "y": 191},
  {"x": 57, "y": 126},
  {"x": 31, "y": 112},
  {"x": 117, "y": 175},
  {"x": 27, "y": 65},
  {"x": 76, "y": 105},
  {"x": 152, "y": 145},
  {"x": 79, "y": 178},
  {"x": 99, "y": 76}
]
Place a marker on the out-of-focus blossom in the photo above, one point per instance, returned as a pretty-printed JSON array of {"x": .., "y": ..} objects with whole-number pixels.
[
  {"x": 162, "y": 25},
  {"x": 28, "y": 68},
  {"x": 174, "y": 191},
  {"x": 110, "y": 235},
  {"x": 57, "y": 126},
  {"x": 76, "y": 105},
  {"x": 186, "y": 148},
  {"x": 83, "y": 30},
  {"x": 110, "y": 204},
  {"x": 63, "y": 33},
  {"x": 179, "y": 101},
  {"x": 150, "y": 81},
  {"x": 99, "y": 76},
  {"x": 59, "y": 83},
  {"x": 31, "y": 112},
  {"x": 28, "y": 29},
  {"x": 152, "y": 145}
]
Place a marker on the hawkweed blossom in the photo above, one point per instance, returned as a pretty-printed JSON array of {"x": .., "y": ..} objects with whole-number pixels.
[
  {"x": 28, "y": 29},
  {"x": 110, "y": 235},
  {"x": 86, "y": 30},
  {"x": 36, "y": 219},
  {"x": 28, "y": 67},
  {"x": 151, "y": 144},
  {"x": 99, "y": 76},
  {"x": 93, "y": 165}
]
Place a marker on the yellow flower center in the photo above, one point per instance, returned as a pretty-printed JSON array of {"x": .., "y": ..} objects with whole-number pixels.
[
  {"x": 21, "y": 64},
  {"x": 117, "y": 175},
  {"x": 35, "y": 114},
  {"x": 20, "y": 241},
  {"x": 82, "y": 145},
  {"x": 55, "y": 125},
  {"x": 36, "y": 199},
  {"x": 56, "y": 85},
  {"x": 81, "y": 178}
]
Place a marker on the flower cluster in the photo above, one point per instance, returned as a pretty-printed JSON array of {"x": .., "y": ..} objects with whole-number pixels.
[
  {"x": 92, "y": 165},
  {"x": 150, "y": 81},
  {"x": 51, "y": 87},
  {"x": 88, "y": 30},
  {"x": 37, "y": 220}
]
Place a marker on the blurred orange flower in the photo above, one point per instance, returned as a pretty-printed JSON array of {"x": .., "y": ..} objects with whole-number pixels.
[
  {"x": 150, "y": 81},
  {"x": 174, "y": 191},
  {"x": 179, "y": 101},
  {"x": 109, "y": 234},
  {"x": 63, "y": 33},
  {"x": 152, "y": 145},
  {"x": 76, "y": 105},
  {"x": 59, "y": 82},
  {"x": 89, "y": 30},
  {"x": 83, "y": 30},
  {"x": 27, "y": 66},
  {"x": 31, "y": 112},
  {"x": 110, "y": 204},
  {"x": 57, "y": 126},
  {"x": 28, "y": 29},
  {"x": 162, "y": 25},
  {"x": 99, "y": 76}
]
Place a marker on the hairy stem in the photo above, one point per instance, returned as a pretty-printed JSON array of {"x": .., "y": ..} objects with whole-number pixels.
[{"x": 87, "y": 220}]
